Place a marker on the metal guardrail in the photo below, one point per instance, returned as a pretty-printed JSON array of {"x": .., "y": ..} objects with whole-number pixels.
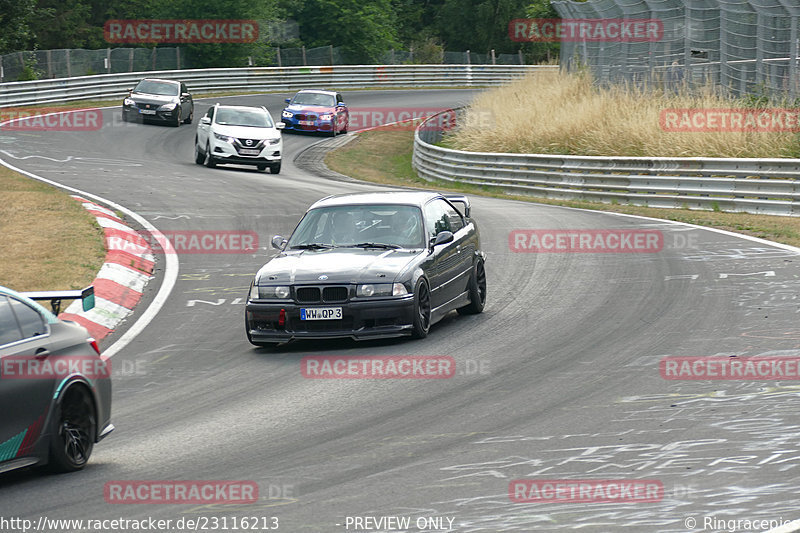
[
  {"x": 267, "y": 79},
  {"x": 766, "y": 186}
]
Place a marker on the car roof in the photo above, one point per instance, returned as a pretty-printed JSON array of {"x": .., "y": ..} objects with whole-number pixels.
[
  {"x": 417, "y": 198},
  {"x": 320, "y": 91},
  {"x": 231, "y": 106},
  {"x": 50, "y": 316},
  {"x": 160, "y": 80}
]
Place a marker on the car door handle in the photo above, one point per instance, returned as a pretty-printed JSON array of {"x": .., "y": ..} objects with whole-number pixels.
[{"x": 41, "y": 353}]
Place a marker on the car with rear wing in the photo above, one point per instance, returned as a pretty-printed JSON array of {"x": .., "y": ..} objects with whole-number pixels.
[
  {"x": 367, "y": 266},
  {"x": 55, "y": 388}
]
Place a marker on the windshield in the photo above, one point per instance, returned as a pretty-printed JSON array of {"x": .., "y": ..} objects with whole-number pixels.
[
  {"x": 314, "y": 99},
  {"x": 156, "y": 87},
  {"x": 350, "y": 225},
  {"x": 255, "y": 118}
]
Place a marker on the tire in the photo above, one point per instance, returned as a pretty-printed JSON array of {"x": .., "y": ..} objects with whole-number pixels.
[
  {"x": 190, "y": 118},
  {"x": 209, "y": 159},
  {"x": 476, "y": 289},
  {"x": 125, "y": 117},
  {"x": 261, "y": 167},
  {"x": 275, "y": 168},
  {"x": 199, "y": 157},
  {"x": 333, "y": 128},
  {"x": 177, "y": 122},
  {"x": 74, "y": 430},
  {"x": 422, "y": 311}
]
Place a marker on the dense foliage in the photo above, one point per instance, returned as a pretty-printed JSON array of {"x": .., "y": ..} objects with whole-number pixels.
[{"x": 365, "y": 30}]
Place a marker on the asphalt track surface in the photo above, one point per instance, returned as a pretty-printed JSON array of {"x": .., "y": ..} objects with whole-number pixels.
[{"x": 557, "y": 379}]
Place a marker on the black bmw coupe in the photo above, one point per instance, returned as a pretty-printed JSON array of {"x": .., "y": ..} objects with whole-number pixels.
[{"x": 369, "y": 265}]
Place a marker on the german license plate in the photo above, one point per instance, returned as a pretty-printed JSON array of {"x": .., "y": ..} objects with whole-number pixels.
[
  {"x": 147, "y": 111},
  {"x": 306, "y": 122},
  {"x": 321, "y": 313},
  {"x": 245, "y": 151}
]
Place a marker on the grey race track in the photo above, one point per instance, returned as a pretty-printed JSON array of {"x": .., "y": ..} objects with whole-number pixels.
[{"x": 557, "y": 379}]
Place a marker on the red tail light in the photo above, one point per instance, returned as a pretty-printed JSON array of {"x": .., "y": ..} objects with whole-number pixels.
[{"x": 282, "y": 318}]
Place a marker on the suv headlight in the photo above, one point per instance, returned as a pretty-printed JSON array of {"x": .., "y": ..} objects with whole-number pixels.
[
  {"x": 286, "y": 114},
  {"x": 168, "y": 107},
  {"x": 381, "y": 289},
  {"x": 274, "y": 141},
  {"x": 223, "y": 138}
]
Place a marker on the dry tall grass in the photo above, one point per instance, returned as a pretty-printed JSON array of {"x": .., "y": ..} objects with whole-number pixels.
[{"x": 568, "y": 114}]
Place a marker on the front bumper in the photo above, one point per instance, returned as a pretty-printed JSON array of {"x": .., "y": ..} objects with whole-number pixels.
[
  {"x": 134, "y": 113},
  {"x": 293, "y": 124},
  {"x": 225, "y": 152},
  {"x": 363, "y": 319}
]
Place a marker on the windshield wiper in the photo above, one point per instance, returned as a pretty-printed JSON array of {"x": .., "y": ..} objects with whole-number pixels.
[
  {"x": 312, "y": 246},
  {"x": 376, "y": 245}
]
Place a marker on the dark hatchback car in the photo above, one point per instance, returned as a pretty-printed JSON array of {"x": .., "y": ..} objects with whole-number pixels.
[
  {"x": 369, "y": 265},
  {"x": 55, "y": 389},
  {"x": 157, "y": 100}
]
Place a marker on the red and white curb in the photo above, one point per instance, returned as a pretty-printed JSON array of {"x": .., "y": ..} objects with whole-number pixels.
[{"x": 120, "y": 283}]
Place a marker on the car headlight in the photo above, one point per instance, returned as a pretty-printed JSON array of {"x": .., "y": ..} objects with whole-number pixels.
[
  {"x": 286, "y": 114},
  {"x": 279, "y": 291},
  {"x": 253, "y": 292},
  {"x": 275, "y": 141},
  {"x": 223, "y": 138},
  {"x": 129, "y": 102},
  {"x": 168, "y": 107},
  {"x": 381, "y": 289},
  {"x": 326, "y": 116}
]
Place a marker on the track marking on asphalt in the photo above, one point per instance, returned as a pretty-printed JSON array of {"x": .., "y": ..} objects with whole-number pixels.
[{"x": 171, "y": 257}]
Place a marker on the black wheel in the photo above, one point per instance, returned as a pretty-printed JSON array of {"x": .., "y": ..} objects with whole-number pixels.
[
  {"x": 333, "y": 127},
  {"x": 190, "y": 118},
  {"x": 275, "y": 168},
  {"x": 125, "y": 117},
  {"x": 177, "y": 121},
  {"x": 422, "y": 310},
  {"x": 73, "y": 431},
  {"x": 261, "y": 167},
  {"x": 477, "y": 290},
  {"x": 199, "y": 156},
  {"x": 210, "y": 163}
]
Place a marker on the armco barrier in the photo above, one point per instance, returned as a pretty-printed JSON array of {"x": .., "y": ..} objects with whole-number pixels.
[
  {"x": 766, "y": 186},
  {"x": 268, "y": 79}
]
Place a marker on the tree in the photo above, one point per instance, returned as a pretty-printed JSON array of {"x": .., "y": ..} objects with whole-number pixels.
[
  {"x": 15, "y": 25},
  {"x": 479, "y": 26},
  {"x": 364, "y": 30}
]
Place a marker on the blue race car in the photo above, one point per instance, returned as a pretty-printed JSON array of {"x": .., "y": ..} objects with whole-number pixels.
[{"x": 313, "y": 110}]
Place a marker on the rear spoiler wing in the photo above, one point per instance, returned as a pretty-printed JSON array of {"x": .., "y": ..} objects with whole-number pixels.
[
  {"x": 459, "y": 199},
  {"x": 85, "y": 295}
]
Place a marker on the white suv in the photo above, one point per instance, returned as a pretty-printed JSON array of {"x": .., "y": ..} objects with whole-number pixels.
[{"x": 239, "y": 135}]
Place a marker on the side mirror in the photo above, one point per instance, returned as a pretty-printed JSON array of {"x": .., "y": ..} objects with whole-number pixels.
[
  {"x": 288, "y": 100},
  {"x": 280, "y": 125},
  {"x": 278, "y": 242},
  {"x": 205, "y": 120},
  {"x": 443, "y": 237}
]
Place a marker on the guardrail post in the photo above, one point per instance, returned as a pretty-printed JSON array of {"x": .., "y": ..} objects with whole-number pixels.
[
  {"x": 49, "y": 56},
  {"x": 304, "y": 56},
  {"x": 153, "y": 55},
  {"x": 108, "y": 60},
  {"x": 279, "y": 57},
  {"x": 178, "y": 57},
  {"x": 331, "y": 49},
  {"x": 68, "y": 61},
  {"x": 521, "y": 57},
  {"x": 130, "y": 60},
  {"x": 493, "y": 58},
  {"x": 1, "y": 69}
]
